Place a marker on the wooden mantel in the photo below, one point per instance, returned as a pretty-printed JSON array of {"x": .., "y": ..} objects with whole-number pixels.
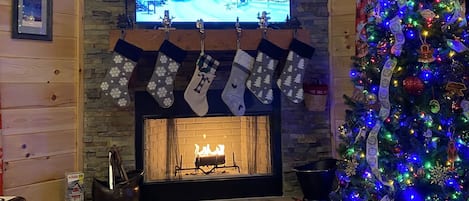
[{"x": 216, "y": 39}]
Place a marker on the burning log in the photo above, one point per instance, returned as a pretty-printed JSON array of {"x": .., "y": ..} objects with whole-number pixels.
[
  {"x": 206, "y": 157},
  {"x": 209, "y": 160}
]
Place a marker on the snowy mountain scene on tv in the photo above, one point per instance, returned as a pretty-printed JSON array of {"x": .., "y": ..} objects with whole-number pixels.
[{"x": 211, "y": 10}]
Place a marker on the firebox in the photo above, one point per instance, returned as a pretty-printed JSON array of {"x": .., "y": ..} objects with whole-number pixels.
[
  {"x": 195, "y": 148},
  {"x": 217, "y": 156}
]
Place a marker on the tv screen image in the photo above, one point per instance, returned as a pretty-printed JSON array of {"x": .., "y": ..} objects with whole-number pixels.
[{"x": 152, "y": 11}]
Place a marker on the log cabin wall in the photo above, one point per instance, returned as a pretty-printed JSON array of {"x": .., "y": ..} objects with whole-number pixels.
[
  {"x": 39, "y": 91},
  {"x": 306, "y": 136},
  {"x": 342, "y": 48}
]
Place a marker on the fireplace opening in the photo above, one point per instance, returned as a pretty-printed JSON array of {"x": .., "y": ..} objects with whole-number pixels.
[
  {"x": 218, "y": 156},
  {"x": 206, "y": 147}
]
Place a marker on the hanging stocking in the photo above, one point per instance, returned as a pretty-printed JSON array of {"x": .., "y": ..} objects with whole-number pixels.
[
  {"x": 124, "y": 60},
  {"x": 196, "y": 92},
  {"x": 260, "y": 80},
  {"x": 233, "y": 93},
  {"x": 161, "y": 83},
  {"x": 291, "y": 79}
]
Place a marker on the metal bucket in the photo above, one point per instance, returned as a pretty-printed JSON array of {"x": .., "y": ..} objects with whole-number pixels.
[{"x": 317, "y": 179}]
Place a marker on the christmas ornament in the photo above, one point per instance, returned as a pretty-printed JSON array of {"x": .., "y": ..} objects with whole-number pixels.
[
  {"x": 260, "y": 80},
  {"x": 452, "y": 153},
  {"x": 421, "y": 172},
  {"x": 358, "y": 95},
  {"x": 382, "y": 48},
  {"x": 456, "y": 106},
  {"x": 361, "y": 134},
  {"x": 455, "y": 89},
  {"x": 427, "y": 14},
  {"x": 371, "y": 98},
  {"x": 456, "y": 45},
  {"x": 351, "y": 167},
  {"x": 290, "y": 81},
  {"x": 438, "y": 175},
  {"x": 426, "y": 54},
  {"x": 413, "y": 85},
  {"x": 465, "y": 108},
  {"x": 124, "y": 59},
  {"x": 434, "y": 106},
  {"x": 428, "y": 134}
]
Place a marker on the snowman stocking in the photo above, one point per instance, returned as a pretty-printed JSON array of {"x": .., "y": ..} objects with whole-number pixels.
[
  {"x": 260, "y": 80},
  {"x": 291, "y": 79},
  {"x": 116, "y": 80},
  {"x": 233, "y": 93},
  {"x": 161, "y": 83},
  {"x": 196, "y": 92}
]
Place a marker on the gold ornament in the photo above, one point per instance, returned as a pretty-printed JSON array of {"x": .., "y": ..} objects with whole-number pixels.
[
  {"x": 351, "y": 168},
  {"x": 455, "y": 88},
  {"x": 426, "y": 54},
  {"x": 439, "y": 175}
]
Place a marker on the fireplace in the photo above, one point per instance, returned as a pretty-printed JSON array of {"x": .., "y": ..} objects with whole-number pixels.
[{"x": 218, "y": 156}]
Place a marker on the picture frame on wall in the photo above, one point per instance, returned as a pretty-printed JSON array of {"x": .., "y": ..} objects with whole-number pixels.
[{"x": 32, "y": 19}]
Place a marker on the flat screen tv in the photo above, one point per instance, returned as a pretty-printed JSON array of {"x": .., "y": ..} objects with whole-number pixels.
[{"x": 213, "y": 12}]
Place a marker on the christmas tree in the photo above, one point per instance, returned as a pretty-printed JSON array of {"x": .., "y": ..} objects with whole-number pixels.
[{"x": 406, "y": 134}]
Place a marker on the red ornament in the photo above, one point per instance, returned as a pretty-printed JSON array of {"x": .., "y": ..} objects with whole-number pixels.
[{"x": 413, "y": 85}]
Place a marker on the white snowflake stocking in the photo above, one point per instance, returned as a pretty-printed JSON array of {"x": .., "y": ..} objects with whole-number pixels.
[
  {"x": 260, "y": 80},
  {"x": 161, "y": 83},
  {"x": 116, "y": 80},
  {"x": 196, "y": 92},
  {"x": 233, "y": 93},
  {"x": 291, "y": 78}
]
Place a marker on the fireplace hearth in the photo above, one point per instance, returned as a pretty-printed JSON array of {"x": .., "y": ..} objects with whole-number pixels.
[{"x": 175, "y": 169}]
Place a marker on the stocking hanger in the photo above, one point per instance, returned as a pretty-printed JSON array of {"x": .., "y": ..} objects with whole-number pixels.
[
  {"x": 166, "y": 21},
  {"x": 294, "y": 23},
  {"x": 200, "y": 26},
  {"x": 238, "y": 34},
  {"x": 263, "y": 22},
  {"x": 122, "y": 36}
]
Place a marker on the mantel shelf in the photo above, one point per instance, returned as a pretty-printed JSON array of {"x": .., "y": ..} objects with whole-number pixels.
[{"x": 217, "y": 39}]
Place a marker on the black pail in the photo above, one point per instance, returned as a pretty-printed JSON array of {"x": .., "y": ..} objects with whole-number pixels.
[{"x": 317, "y": 179}]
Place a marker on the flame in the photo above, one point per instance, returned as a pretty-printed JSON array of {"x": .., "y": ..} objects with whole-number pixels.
[{"x": 206, "y": 151}]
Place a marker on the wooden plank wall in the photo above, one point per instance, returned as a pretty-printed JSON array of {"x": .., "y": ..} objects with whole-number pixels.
[
  {"x": 341, "y": 48},
  {"x": 39, "y": 84}
]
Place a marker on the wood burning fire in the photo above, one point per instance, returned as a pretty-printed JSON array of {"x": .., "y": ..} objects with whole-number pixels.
[{"x": 205, "y": 157}]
